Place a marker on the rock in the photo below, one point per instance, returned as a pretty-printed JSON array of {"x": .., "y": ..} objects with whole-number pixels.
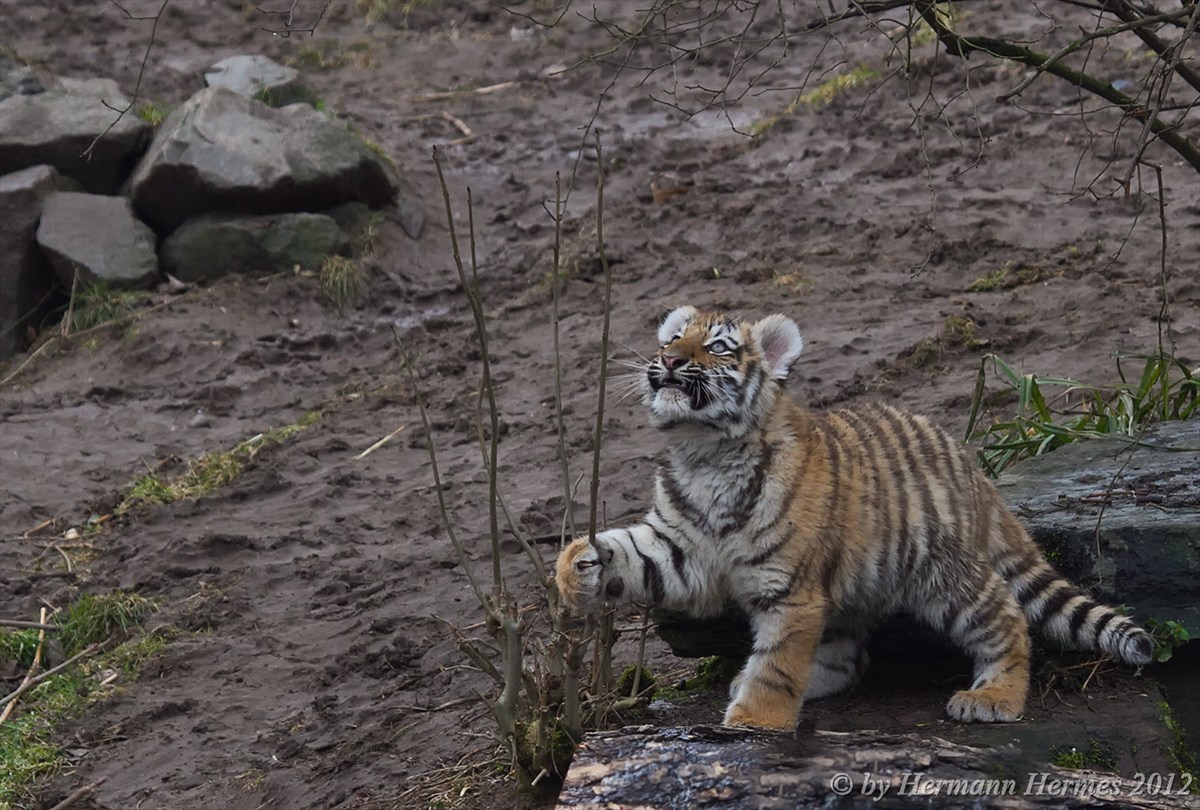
[
  {"x": 25, "y": 276},
  {"x": 412, "y": 218},
  {"x": 17, "y": 79},
  {"x": 1121, "y": 519},
  {"x": 57, "y": 126},
  {"x": 1118, "y": 519},
  {"x": 351, "y": 217},
  {"x": 98, "y": 236},
  {"x": 258, "y": 77},
  {"x": 213, "y": 245},
  {"x": 706, "y": 766},
  {"x": 223, "y": 152}
]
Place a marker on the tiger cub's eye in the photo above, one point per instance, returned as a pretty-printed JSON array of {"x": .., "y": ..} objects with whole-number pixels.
[{"x": 718, "y": 347}]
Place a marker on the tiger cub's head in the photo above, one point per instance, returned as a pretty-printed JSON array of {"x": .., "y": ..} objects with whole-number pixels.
[{"x": 712, "y": 369}]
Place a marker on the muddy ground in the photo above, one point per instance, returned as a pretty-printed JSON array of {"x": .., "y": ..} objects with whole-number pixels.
[{"x": 314, "y": 667}]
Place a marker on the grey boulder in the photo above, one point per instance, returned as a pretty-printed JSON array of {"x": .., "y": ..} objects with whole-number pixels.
[
  {"x": 258, "y": 77},
  {"x": 25, "y": 278},
  {"x": 16, "y": 78},
  {"x": 220, "y": 151},
  {"x": 214, "y": 245},
  {"x": 97, "y": 237},
  {"x": 1120, "y": 518},
  {"x": 57, "y": 126}
]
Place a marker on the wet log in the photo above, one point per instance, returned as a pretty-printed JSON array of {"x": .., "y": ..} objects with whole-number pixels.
[{"x": 705, "y": 766}]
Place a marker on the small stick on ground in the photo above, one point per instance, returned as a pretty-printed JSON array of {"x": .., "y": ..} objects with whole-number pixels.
[
  {"x": 478, "y": 91},
  {"x": 69, "y": 320},
  {"x": 28, "y": 625},
  {"x": 381, "y": 442},
  {"x": 79, "y": 794},
  {"x": 458, "y": 124},
  {"x": 9, "y": 699},
  {"x": 25, "y": 684},
  {"x": 48, "y": 522}
]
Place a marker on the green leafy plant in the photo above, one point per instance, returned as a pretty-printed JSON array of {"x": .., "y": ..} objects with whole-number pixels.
[
  {"x": 153, "y": 113},
  {"x": 1167, "y": 389},
  {"x": 1167, "y": 636}
]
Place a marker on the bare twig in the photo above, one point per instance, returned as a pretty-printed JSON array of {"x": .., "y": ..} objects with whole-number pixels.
[
  {"x": 457, "y": 123},
  {"x": 133, "y": 316},
  {"x": 49, "y": 342},
  {"x": 555, "y": 281},
  {"x": 81, "y": 793},
  {"x": 599, "y": 435},
  {"x": 28, "y": 625},
  {"x": 381, "y": 442},
  {"x": 963, "y": 47},
  {"x": 474, "y": 91},
  {"x": 137, "y": 87},
  {"x": 1075, "y": 45},
  {"x": 448, "y": 524},
  {"x": 289, "y": 25},
  {"x": 37, "y": 662},
  {"x": 69, "y": 319}
]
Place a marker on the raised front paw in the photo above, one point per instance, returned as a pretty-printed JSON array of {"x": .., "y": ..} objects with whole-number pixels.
[{"x": 584, "y": 582}]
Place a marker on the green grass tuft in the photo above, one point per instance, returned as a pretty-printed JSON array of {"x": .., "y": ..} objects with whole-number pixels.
[
  {"x": 27, "y": 748},
  {"x": 97, "y": 304},
  {"x": 1166, "y": 390},
  {"x": 93, "y": 619},
  {"x": 18, "y": 647},
  {"x": 340, "y": 279},
  {"x": 364, "y": 243},
  {"x": 210, "y": 471},
  {"x": 830, "y": 89}
]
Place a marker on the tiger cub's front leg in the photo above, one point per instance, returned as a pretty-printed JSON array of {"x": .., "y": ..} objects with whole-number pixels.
[
  {"x": 769, "y": 691},
  {"x": 636, "y": 564}
]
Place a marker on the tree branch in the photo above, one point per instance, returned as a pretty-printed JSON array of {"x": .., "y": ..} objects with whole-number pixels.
[{"x": 963, "y": 47}]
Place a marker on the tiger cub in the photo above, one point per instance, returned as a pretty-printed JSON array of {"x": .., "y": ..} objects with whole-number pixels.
[{"x": 821, "y": 525}]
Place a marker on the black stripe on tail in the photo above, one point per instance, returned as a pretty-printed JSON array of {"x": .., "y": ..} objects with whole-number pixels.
[{"x": 1063, "y": 613}]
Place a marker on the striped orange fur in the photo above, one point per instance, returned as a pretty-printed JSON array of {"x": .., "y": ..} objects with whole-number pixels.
[{"x": 821, "y": 525}]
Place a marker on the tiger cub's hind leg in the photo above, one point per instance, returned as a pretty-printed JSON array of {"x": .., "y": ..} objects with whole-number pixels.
[
  {"x": 988, "y": 625},
  {"x": 840, "y": 662}
]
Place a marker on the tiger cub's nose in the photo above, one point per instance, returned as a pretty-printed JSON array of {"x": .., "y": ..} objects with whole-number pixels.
[{"x": 672, "y": 361}]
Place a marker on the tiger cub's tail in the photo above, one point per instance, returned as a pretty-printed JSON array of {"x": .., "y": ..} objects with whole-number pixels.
[{"x": 1058, "y": 608}]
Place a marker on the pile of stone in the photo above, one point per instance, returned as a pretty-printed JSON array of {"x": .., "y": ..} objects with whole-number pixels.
[{"x": 243, "y": 177}]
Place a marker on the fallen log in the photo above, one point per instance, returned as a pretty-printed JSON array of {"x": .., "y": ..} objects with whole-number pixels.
[{"x": 678, "y": 768}]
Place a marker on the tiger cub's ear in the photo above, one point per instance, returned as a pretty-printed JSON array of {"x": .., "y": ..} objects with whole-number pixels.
[
  {"x": 675, "y": 322},
  {"x": 779, "y": 340}
]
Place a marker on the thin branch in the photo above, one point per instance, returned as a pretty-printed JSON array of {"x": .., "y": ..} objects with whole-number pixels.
[
  {"x": 27, "y": 685},
  {"x": 568, "y": 514},
  {"x": 81, "y": 793},
  {"x": 289, "y": 26},
  {"x": 1170, "y": 52},
  {"x": 437, "y": 480},
  {"x": 1099, "y": 33},
  {"x": 28, "y": 625},
  {"x": 599, "y": 435},
  {"x": 137, "y": 87},
  {"x": 963, "y": 47}
]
